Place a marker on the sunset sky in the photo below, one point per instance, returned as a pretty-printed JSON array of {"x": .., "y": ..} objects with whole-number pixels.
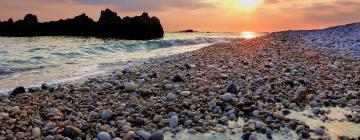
[{"x": 202, "y": 15}]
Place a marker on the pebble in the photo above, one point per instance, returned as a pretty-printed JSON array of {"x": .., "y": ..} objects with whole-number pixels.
[
  {"x": 18, "y": 90},
  {"x": 106, "y": 114},
  {"x": 227, "y": 97},
  {"x": 173, "y": 122},
  {"x": 293, "y": 106},
  {"x": 185, "y": 93},
  {"x": 36, "y": 132},
  {"x": 168, "y": 86},
  {"x": 319, "y": 131},
  {"x": 315, "y": 110},
  {"x": 304, "y": 134},
  {"x": 224, "y": 120},
  {"x": 313, "y": 104},
  {"x": 103, "y": 136},
  {"x": 259, "y": 125},
  {"x": 130, "y": 136},
  {"x": 232, "y": 89},
  {"x": 177, "y": 78},
  {"x": 71, "y": 131},
  {"x": 4, "y": 116},
  {"x": 170, "y": 96},
  {"x": 157, "y": 135},
  {"x": 129, "y": 86},
  {"x": 212, "y": 104},
  {"x": 157, "y": 118},
  {"x": 256, "y": 113}
]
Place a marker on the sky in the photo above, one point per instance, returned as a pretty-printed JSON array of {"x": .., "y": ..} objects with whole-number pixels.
[{"x": 201, "y": 15}]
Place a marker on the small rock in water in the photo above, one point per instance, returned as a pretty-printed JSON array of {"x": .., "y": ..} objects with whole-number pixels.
[
  {"x": 293, "y": 106},
  {"x": 45, "y": 86},
  {"x": 319, "y": 131},
  {"x": 173, "y": 122},
  {"x": 185, "y": 93},
  {"x": 232, "y": 89},
  {"x": 224, "y": 120},
  {"x": 34, "y": 89},
  {"x": 227, "y": 97},
  {"x": 18, "y": 90},
  {"x": 177, "y": 78},
  {"x": 103, "y": 136},
  {"x": 106, "y": 114},
  {"x": 129, "y": 86},
  {"x": 36, "y": 132},
  {"x": 71, "y": 131},
  {"x": 315, "y": 110},
  {"x": 304, "y": 134},
  {"x": 170, "y": 96},
  {"x": 158, "y": 135}
]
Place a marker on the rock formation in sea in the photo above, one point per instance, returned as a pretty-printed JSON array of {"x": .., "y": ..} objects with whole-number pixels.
[{"x": 109, "y": 25}]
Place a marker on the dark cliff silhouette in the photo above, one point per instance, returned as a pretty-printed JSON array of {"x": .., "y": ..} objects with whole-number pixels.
[{"x": 109, "y": 25}]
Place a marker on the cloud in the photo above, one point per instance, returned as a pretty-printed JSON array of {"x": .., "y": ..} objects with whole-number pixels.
[{"x": 153, "y": 5}]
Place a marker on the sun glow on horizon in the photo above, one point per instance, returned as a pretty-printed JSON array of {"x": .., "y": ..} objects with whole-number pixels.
[
  {"x": 248, "y": 35},
  {"x": 249, "y": 5}
]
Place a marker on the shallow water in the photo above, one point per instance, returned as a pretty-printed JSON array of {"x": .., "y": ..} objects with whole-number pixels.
[
  {"x": 29, "y": 61},
  {"x": 338, "y": 126}
]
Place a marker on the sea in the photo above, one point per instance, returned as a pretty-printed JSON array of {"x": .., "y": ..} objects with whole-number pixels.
[{"x": 32, "y": 61}]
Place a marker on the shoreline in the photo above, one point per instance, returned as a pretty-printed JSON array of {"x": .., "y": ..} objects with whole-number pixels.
[{"x": 261, "y": 81}]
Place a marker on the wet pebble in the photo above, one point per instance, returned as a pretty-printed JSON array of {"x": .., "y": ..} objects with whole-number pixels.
[
  {"x": 232, "y": 89},
  {"x": 158, "y": 135},
  {"x": 227, "y": 97},
  {"x": 170, "y": 96},
  {"x": 71, "y": 131},
  {"x": 185, "y": 93},
  {"x": 36, "y": 132},
  {"x": 173, "y": 122},
  {"x": 103, "y": 136},
  {"x": 129, "y": 86},
  {"x": 106, "y": 114}
]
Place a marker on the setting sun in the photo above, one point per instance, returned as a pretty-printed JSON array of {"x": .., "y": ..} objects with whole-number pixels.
[
  {"x": 248, "y": 35},
  {"x": 249, "y": 4}
]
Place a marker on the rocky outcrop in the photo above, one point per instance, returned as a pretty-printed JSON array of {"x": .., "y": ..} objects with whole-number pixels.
[{"x": 109, "y": 25}]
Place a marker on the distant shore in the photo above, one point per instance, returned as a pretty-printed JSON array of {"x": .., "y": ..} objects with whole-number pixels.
[{"x": 259, "y": 83}]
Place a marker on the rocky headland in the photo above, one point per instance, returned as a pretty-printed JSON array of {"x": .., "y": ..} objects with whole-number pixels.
[
  {"x": 109, "y": 25},
  {"x": 261, "y": 83}
]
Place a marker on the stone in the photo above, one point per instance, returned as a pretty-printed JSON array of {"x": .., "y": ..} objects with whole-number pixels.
[
  {"x": 293, "y": 106},
  {"x": 227, "y": 97},
  {"x": 71, "y": 131},
  {"x": 304, "y": 134},
  {"x": 4, "y": 116},
  {"x": 168, "y": 86},
  {"x": 256, "y": 113},
  {"x": 259, "y": 125},
  {"x": 212, "y": 104},
  {"x": 129, "y": 86},
  {"x": 178, "y": 78},
  {"x": 315, "y": 110},
  {"x": 143, "y": 135},
  {"x": 224, "y": 120},
  {"x": 173, "y": 122},
  {"x": 36, "y": 132},
  {"x": 232, "y": 89},
  {"x": 313, "y": 104},
  {"x": 157, "y": 135},
  {"x": 170, "y": 96},
  {"x": 157, "y": 118},
  {"x": 106, "y": 114},
  {"x": 103, "y": 136},
  {"x": 18, "y": 90},
  {"x": 185, "y": 93},
  {"x": 319, "y": 131},
  {"x": 130, "y": 136}
]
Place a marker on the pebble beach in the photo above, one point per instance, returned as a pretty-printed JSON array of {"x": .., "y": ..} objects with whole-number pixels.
[{"x": 283, "y": 85}]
